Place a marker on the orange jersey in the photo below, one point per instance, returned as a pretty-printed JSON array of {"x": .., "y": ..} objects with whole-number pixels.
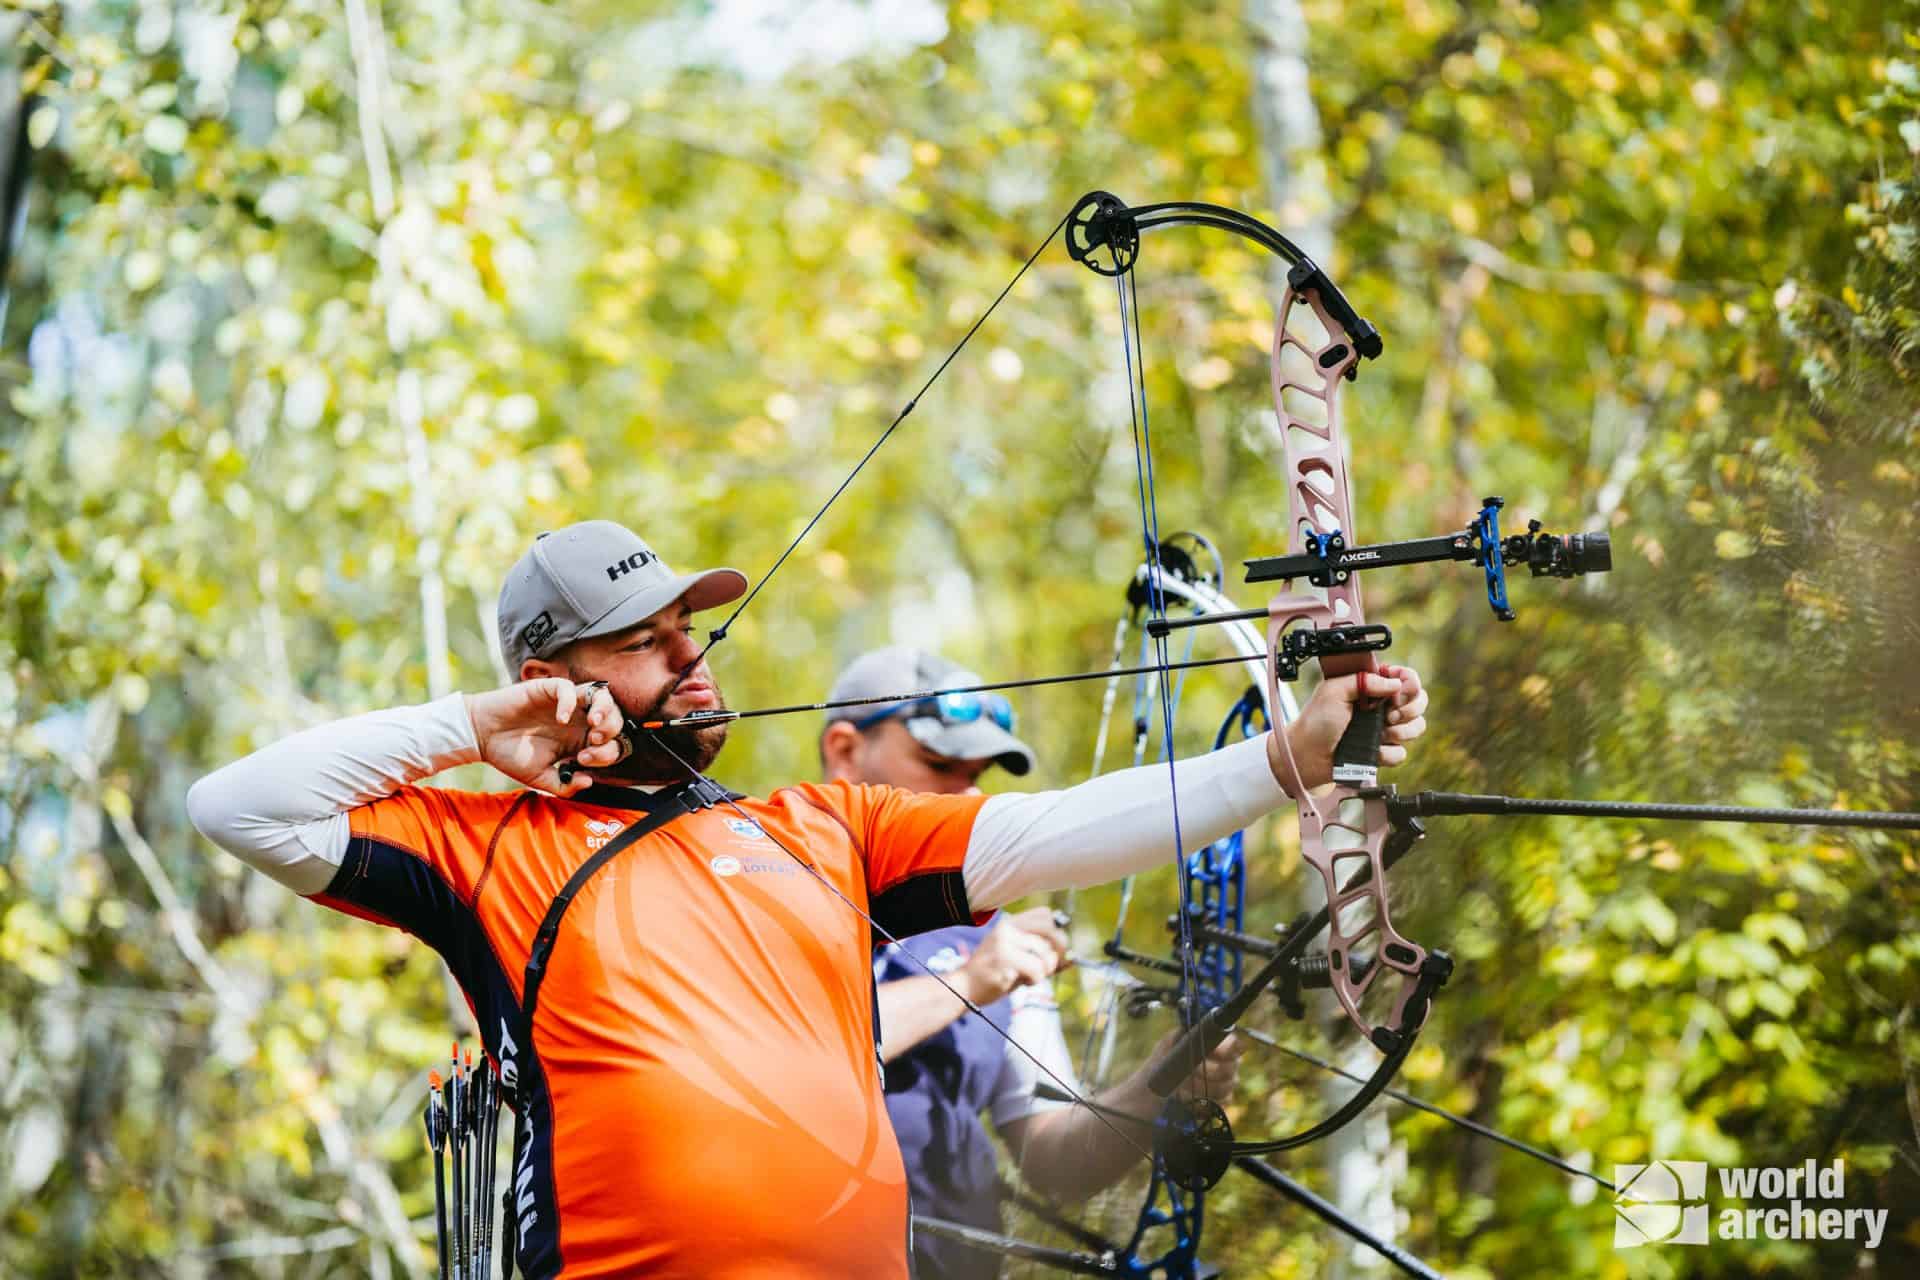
[{"x": 699, "y": 1093}]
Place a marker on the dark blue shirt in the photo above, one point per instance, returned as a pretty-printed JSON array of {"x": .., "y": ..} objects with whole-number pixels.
[{"x": 937, "y": 1090}]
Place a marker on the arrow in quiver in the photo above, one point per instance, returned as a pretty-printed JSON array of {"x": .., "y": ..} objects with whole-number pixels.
[{"x": 463, "y": 1130}]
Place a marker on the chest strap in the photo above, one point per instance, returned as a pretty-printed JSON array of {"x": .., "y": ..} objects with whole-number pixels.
[{"x": 676, "y": 802}]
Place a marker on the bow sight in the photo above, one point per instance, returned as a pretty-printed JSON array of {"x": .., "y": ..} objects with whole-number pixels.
[{"x": 1329, "y": 560}]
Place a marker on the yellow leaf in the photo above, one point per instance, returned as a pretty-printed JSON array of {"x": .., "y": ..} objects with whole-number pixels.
[
  {"x": 1209, "y": 373},
  {"x": 41, "y": 125}
]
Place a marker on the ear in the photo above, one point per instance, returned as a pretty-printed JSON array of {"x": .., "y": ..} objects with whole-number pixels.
[
  {"x": 565, "y": 662},
  {"x": 840, "y": 745},
  {"x": 542, "y": 668}
]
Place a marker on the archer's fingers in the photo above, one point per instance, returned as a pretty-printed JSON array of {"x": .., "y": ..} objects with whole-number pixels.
[
  {"x": 1031, "y": 968},
  {"x": 1369, "y": 686},
  {"x": 565, "y": 699},
  {"x": 1043, "y": 953},
  {"x": 597, "y": 714},
  {"x": 604, "y": 719},
  {"x": 1039, "y": 922},
  {"x": 1406, "y": 730},
  {"x": 599, "y": 754},
  {"x": 1411, "y": 700},
  {"x": 1036, "y": 925}
]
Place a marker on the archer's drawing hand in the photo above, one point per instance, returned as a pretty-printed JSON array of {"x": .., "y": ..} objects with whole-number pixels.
[
  {"x": 1310, "y": 740},
  {"x": 525, "y": 730},
  {"x": 1025, "y": 947}
]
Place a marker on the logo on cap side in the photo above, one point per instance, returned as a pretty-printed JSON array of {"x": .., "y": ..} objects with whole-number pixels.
[
  {"x": 632, "y": 562},
  {"x": 538, "y": 632}
]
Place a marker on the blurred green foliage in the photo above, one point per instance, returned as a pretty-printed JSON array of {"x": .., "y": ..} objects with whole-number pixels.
[{"x": 321, "y": 311}]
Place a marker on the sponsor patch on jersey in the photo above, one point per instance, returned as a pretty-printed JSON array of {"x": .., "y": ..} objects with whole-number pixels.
[
  {"x": 746, "y": 827},
  {"x": 726, "y": 864},
  {"x": 600, "y": 834}
]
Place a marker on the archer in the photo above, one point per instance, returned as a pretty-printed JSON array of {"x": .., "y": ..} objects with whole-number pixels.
[
  {"x": 696, "y": 1094},
  {"x": 945, "y": 1064}
]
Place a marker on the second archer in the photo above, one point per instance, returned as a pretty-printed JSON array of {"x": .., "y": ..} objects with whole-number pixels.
[{"x": 945, "y": 1062}]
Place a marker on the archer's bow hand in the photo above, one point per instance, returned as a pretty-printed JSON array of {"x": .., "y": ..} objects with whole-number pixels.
[
  {"x": 1311, "y": 739},
  {"x": 1217, "y": 1074},
  {"x": 527, "y": 730}
]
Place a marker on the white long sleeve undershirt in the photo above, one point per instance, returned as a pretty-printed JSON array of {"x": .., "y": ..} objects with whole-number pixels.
[
  {"x": 283, "y": 809},
  {"x": 1116, "y": 825}
]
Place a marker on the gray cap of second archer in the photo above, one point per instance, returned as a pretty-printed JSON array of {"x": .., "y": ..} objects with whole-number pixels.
[
  {"x": 592, "y": 579},
  {"x": 901, "y": 669}
]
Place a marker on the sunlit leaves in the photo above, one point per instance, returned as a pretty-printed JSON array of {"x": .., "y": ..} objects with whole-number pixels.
[{"x": 1647, "y": 268}]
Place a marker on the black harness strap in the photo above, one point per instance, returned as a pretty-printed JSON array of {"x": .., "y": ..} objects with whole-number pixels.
[
  {"x": 688, "y": 797},
  {"x": 663, "y": 807}
]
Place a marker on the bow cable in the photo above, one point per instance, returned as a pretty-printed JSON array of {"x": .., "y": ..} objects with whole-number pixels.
[
  {"x": 1472, "y": 1126},
  {"x": 1184, "y": 1211},
  {"x": 1136, "y": 359}
]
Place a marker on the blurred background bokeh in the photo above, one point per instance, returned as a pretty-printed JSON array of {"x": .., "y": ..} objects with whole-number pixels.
[{"x": 315, "y": 312}]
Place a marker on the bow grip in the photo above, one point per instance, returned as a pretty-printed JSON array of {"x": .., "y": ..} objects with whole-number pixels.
[
  {"x": 1186, "y": 1054},
  {"x": 1356, "y": 759}
]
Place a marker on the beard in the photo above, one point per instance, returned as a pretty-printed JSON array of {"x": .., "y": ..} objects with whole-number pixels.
[{"x": 664, "y": 755}]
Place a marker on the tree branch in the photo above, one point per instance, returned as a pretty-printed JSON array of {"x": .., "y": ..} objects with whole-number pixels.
[
  {"x": 370, "y": 96},
  {"x": 233, "y": 998}
]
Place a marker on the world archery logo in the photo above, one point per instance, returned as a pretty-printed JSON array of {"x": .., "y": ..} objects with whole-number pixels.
[
  {"x": 746, "y": 827},
  {"x": 1660, "y": 1203}
]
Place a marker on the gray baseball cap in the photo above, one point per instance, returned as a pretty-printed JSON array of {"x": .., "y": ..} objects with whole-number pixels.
[
  {"x": 592, "y": 579},
  {"x": 899, "y": 669}
]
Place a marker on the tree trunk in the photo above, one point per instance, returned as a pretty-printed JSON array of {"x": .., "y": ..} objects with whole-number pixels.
[{"x": 1289, "y": 126}]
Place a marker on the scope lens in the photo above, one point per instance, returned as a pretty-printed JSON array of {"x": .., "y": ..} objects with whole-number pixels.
[{"x": 1589, "y": 552}]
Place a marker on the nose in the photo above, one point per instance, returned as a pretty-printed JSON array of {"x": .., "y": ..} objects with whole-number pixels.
[{"x": 686, "y": 651}]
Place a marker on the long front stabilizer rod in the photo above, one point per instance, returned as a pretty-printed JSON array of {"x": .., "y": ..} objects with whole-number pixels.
[
  {"x": 1426, "y": 804},
  {"x": 1328, "y": 1213},
  {"x": 1068, "y": 1260}
]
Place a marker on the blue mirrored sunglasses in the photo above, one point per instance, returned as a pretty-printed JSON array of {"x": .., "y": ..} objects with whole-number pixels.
[{"x": 948, "y": 708}]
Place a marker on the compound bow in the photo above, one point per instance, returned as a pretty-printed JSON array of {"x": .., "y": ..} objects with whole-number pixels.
[{"x": 1351, "y": 835}]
